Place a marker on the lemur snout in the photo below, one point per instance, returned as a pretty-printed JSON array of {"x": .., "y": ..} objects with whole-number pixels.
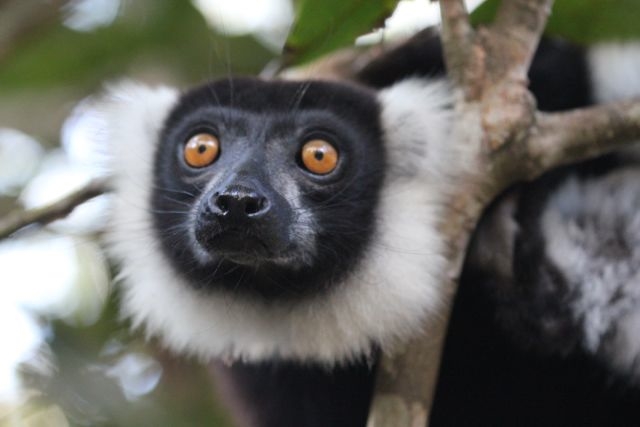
[{"x": 239, "y": 204}]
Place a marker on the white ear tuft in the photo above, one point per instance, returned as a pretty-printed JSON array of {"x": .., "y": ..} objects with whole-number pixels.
[{"x": 416, "y": 117}]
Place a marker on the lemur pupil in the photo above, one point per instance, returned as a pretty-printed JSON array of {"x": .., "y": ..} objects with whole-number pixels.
[
  {"x": 202, "y": 148},
  {"x": 319, "y": 155}
]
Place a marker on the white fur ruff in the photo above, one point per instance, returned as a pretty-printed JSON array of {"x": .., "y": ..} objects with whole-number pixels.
[{"x": 384, "y": 301}]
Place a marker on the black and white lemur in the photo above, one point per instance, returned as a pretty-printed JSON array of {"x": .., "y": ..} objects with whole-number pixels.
[{"x": 290, "y": 229}]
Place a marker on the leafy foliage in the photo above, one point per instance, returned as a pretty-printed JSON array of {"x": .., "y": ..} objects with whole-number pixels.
[
  {"x": 171, "y": 32},
  {"x": 324, "y": 26}
]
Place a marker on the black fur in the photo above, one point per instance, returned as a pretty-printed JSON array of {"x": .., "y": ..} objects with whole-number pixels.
[
  {"x": 290, "y": 394},
  {"x": 261, "y": 127},
  {"x": 488, "y": 378},
  {"x": 419, "y": 56},
  {"x": 559, "y": 78}
]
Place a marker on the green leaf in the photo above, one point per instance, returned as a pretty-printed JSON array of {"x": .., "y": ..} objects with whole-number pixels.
[
  {"x": 325, "y": 25},
  {"x": 582, "y": 21},
  {"x": 485, "y": 12}
]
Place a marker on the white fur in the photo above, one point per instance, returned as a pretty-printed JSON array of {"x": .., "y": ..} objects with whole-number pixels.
[
  {"x": 615, "y": 71},
  {"x": 385, "y": 300},
  {"x": 611, "y": 327},
  {"x": 424, "y": 147},
  {"x": 592, "y": 235}
]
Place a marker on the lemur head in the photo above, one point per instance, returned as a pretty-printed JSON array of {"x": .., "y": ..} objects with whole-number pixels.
[
  {"x": 268, "y": 188},
  {"x": 279, "y": 219}
]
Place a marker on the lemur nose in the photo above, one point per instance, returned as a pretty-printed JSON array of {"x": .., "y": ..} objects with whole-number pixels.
[{"x": 240, "y": 203}]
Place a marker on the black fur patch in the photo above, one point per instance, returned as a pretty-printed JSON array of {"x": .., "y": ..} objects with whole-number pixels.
[
  {"x": 421, "y": 55},
  {"x": 261, "y": 127},
  {"x": 559, "y": 77},
  {"x": 298, "y": 395}
]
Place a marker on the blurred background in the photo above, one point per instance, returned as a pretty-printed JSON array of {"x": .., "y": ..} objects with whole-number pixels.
[{"x": 67, "y": 358}]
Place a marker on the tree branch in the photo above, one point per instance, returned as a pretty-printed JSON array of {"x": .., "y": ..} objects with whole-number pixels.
[
  {"x": 458, "y": 42},
  {"x": 515, "y": 33},
  {"x": 19, "y": 219},
  {"x": 509, "y": 45},
  {"x": 344, "y": 64},
  {"x": 569, "y": 137},
  {"x": 557, "y": 139},
  {"x": 406, "y": 381}
]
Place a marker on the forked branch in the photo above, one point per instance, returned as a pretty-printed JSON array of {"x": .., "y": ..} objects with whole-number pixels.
[
  {"x": 515, "y": 34},
  {"x": 458, "y": 42}
]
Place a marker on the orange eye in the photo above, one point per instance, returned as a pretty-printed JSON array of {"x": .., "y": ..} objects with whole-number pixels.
[
  {"x": 201, "y": 150},
  {"x": 319, "y": 157}
]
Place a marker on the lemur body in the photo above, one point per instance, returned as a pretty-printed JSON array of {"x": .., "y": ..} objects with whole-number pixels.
[{"x": 291, "y": 227}]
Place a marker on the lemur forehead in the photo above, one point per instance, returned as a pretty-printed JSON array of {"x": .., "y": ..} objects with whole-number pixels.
[{"x": 274, "y": 96}]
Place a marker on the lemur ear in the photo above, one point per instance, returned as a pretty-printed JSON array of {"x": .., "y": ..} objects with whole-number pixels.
[{"x": 416, "y": 117}]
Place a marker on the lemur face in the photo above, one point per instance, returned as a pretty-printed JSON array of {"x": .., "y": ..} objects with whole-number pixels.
[
  {"x": 268, "y": 188},
  {"x": 295, "y": 220}
]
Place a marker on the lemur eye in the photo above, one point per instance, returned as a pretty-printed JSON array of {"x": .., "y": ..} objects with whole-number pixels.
[
  {"x": 319, "y": 157},
  {"x": 201, "y": 150}
]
